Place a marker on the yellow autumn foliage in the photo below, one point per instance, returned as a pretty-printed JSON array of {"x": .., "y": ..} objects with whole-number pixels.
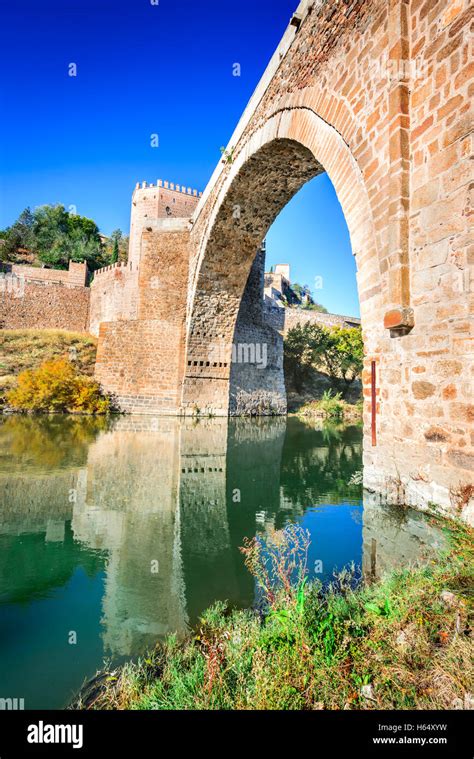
[{"x": 56, "y": 386}]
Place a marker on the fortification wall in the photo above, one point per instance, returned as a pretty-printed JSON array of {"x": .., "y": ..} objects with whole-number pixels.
[
  {"x": 34, "y": 298},
  {"x": 76, "y": 276},
  {"x": 292, "y": 317},
  {"x": 41, "y": 307}
]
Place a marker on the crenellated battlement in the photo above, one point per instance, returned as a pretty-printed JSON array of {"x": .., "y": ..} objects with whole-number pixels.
[
  {"x": 112, "y": 267},
  {"x": 171, "y": 186}
]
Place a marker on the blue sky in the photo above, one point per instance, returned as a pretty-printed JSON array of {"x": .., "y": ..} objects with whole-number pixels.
[{"x": 146, "y": 69}]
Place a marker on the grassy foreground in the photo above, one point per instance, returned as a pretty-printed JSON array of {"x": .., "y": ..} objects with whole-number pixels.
[{"x": 403, "y": 642}]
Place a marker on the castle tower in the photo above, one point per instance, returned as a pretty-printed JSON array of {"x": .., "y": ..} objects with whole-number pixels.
[{"x": 164, "y": 200}]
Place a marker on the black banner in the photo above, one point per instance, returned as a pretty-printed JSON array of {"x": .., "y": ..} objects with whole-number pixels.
[{"x": 68, "y": 733}]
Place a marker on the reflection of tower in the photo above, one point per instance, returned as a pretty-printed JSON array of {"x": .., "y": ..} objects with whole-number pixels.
[{"x": 130, "y": 511}]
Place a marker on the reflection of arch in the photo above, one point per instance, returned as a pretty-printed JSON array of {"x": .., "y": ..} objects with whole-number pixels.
[{"x": 292, "y": 147}]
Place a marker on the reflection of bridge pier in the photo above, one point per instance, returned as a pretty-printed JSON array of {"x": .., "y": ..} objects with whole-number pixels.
[
  {"x": 393, "y": 536},
  {"x": 202, "y": 505},
  {"x": 228, "y": 469},
  {"x": 253, "y": 486}
]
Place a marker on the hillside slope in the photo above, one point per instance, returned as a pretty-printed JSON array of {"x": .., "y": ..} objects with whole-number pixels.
[{"x": 29, "y": 348}]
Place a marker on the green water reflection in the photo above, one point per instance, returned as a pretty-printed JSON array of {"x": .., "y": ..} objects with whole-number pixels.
[{"x": 122, "y": 531}]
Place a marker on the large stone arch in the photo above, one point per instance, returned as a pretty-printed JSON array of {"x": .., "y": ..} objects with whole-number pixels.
[{"x": 292, "y": 147}]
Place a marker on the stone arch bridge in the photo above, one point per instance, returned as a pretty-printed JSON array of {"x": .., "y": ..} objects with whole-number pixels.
[{"x": 378, "y": 94}]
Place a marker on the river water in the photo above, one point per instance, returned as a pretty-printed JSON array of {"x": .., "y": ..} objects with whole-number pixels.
[{"x": 114, "y": 533}]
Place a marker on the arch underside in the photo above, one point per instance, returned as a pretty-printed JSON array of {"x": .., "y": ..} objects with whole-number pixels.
[{"x": 292, "y": 148}]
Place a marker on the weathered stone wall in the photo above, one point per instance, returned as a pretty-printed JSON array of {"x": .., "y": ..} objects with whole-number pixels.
[
  {"x": 140, "y": 360},
  {"x": 425, "y": 403},
  {"x": 257, "y": 383},
  {"x": 35, "y": 298},
  {"x": 46, "y": 307}
]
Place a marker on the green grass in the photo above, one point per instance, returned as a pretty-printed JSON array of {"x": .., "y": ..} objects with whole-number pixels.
[
  {"x": 29, "y": 348},
  {"x": 311, "y": 649},
  {"x": 331, "y": 406}
]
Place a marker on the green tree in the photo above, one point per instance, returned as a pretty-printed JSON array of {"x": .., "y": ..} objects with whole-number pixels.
[
  {"x": 349, "y": 350},
  {"x": 117, "y": 247},
  {"x": 115, "y": 253},
  {"x": 55, "y": 237},
  {"x": 338, "y": 352},
  {"x": 50, "y": 233},
  {"x": 20, "y": 236},
  {"x": 303, "y": 347},
  {"x": 61, "y": 237}
]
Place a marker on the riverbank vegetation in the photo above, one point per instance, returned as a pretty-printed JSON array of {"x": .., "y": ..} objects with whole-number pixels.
[
  {"x": 48, "y": 442},
  {"x": 323, "y": 370},
  {"x": 401, "y": 642},
  {"x": 332, "y": 406},
  {"x": 49, "y": 371},
  {"x": 57, "y": 387},
  {"x": 23, "y": 349}
]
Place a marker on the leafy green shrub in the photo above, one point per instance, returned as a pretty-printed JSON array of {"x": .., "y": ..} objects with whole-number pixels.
[
  {"x": 329, "y": 406},
  {"x": 57, "y": 387},
  {"x": 301, "y": 346},
  {"x": 332, "y": 405}
]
